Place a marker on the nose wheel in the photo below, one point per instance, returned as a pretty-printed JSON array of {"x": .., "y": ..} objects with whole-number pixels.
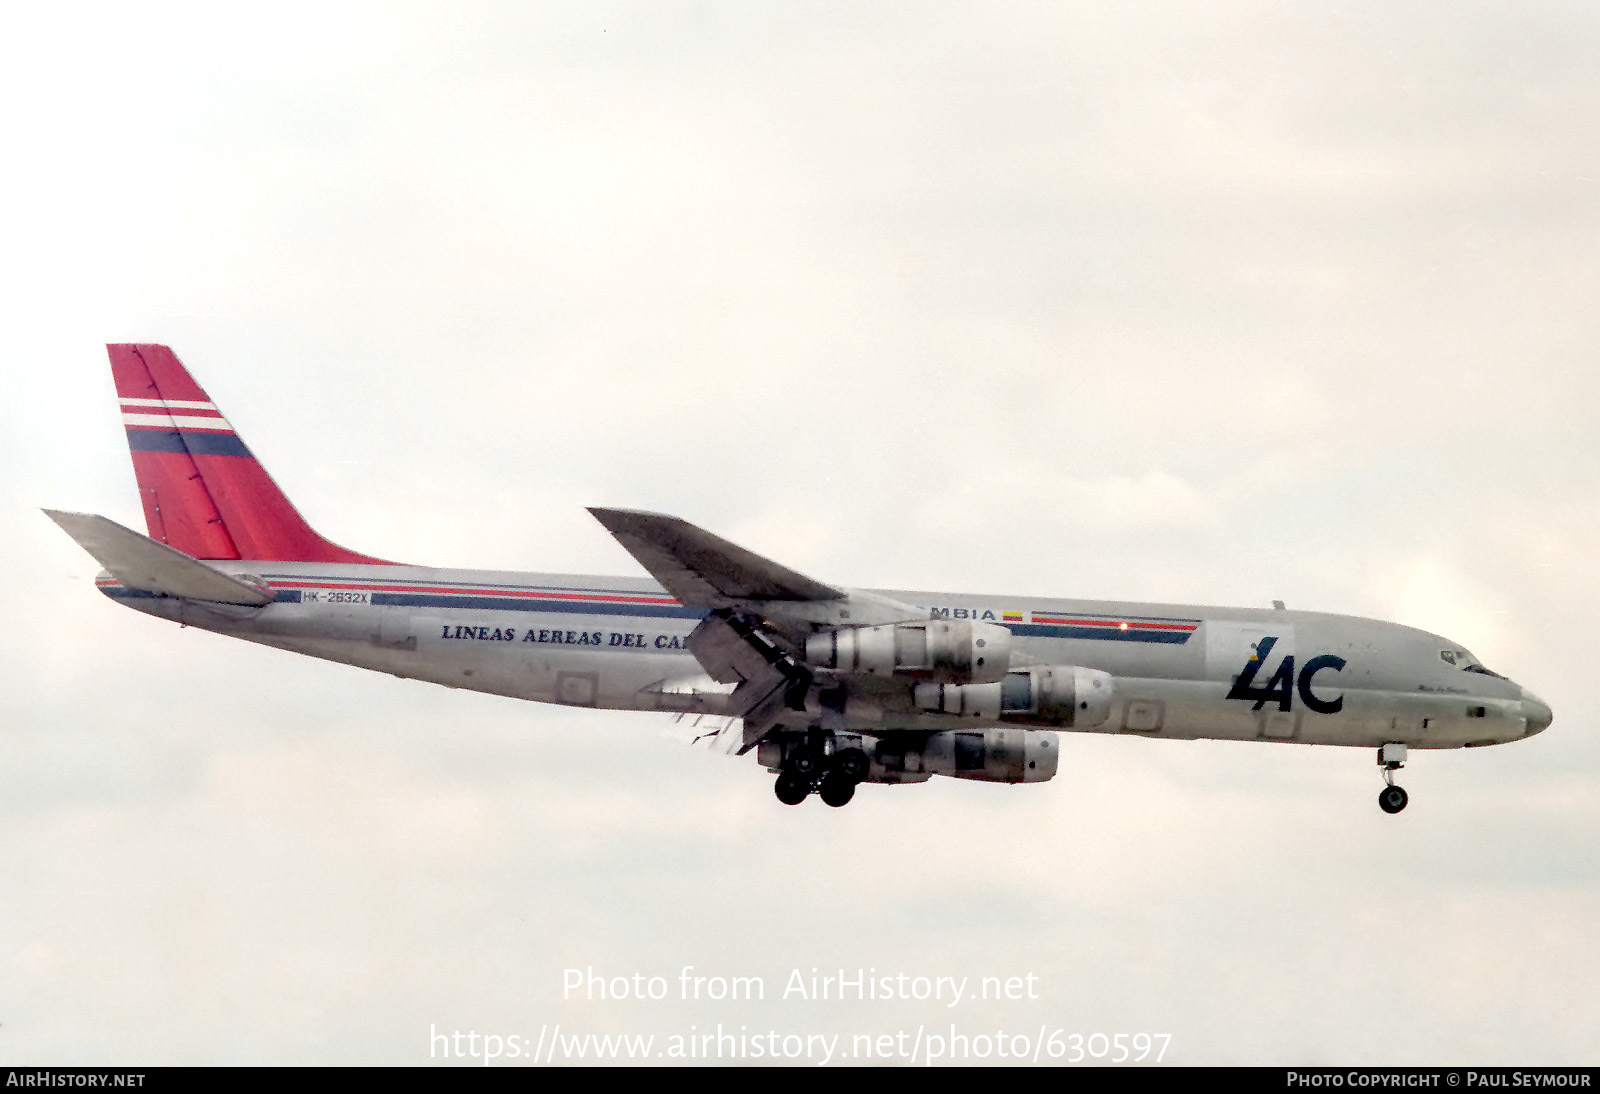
[{"x": 1392, "y": 798}]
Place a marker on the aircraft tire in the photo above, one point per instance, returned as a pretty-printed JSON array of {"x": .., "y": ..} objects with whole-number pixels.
[
  {"x": 851, "y": 763},
  {"x": 791, "y": 789},
  {"x": 1392, "y": 799},
  {"x": 837, "y": 791}
]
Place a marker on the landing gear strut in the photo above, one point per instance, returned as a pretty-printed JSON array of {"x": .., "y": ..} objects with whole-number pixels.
[
  {"x": 1391, "y": 758},
  {"x": 833, "y": 777}
]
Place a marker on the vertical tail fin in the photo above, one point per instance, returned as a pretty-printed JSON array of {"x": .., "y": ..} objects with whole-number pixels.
[{"x": 203, "y": 492}]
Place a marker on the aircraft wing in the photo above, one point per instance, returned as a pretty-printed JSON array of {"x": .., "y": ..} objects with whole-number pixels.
[
  {"x": 704, "y": 570},
  {"x": 759, "y": 612},
  {"x": 141, "y": 563}
]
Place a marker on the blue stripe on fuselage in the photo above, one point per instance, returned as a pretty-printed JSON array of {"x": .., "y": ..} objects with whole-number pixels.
[
  {"x": 662, "y": 611},
  {"x": 1099, "y": 634},
  {"x": 476, "y": 603},
  {"x": 523, "y": 604}
]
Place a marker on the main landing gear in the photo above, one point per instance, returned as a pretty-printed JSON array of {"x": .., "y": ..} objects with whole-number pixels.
[
  {"x": 1391, "y": 758},
  {"x": 833, "y": 777}
]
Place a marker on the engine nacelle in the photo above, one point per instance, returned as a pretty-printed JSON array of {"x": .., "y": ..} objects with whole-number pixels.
[
  {"x": 958, "y": 651},
  {"x": 1001, "y": 755},
  {"x": 1063, "y": 695}
]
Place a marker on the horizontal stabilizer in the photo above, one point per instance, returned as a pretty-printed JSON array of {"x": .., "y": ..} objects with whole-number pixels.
[
  {"x": 704, "y": 570},
  {"x": 141, "y": 563}
]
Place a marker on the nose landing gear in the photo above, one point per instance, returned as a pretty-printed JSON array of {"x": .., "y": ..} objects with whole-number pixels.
[{"x": 1391, "y": 758}]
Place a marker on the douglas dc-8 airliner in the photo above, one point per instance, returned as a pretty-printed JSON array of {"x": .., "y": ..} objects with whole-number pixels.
[{"x": 829, "y": 686}]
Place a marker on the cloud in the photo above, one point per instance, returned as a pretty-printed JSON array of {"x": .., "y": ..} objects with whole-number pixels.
[{"x": 1206, "y": 307}]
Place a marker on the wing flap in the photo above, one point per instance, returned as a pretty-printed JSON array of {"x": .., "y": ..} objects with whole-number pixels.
[
  {"x": 770, "y": 682},
  {"x": 141, "y": 563}
]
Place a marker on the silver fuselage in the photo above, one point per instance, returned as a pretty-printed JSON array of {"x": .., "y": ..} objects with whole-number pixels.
[{"x": 1180, "y": 671}]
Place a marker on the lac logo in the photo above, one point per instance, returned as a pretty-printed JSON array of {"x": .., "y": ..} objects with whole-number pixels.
[{"x": 1283, "y": 684}]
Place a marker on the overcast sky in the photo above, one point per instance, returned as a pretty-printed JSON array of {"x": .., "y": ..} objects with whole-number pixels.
[{"x": 1209, "y": 304}]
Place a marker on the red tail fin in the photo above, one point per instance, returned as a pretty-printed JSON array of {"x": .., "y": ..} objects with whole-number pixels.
[{"x": 203, "y": 492}]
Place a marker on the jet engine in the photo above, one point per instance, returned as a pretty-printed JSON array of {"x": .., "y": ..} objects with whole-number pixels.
[
  {"x": 1008, "y": 754},
  {"x": 957, "y": 651},
  {"x": 1001, "y": 755},
  {"x": 1064, "y": 695}
]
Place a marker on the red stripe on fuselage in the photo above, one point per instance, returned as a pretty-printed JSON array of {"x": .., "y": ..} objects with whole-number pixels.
[
  {"x": 1114, "y": 624},
  {"x": 476, "y": 590}
]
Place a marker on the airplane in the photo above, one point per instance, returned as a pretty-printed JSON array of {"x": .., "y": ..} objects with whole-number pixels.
[{"x": 829, "y": 686}]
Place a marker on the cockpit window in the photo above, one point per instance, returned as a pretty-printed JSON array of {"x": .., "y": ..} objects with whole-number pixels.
[{"x": 1464, "y": 661}]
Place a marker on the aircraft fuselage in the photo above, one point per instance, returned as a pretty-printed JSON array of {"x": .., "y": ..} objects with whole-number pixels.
[{"x": 1180, "y": 671}]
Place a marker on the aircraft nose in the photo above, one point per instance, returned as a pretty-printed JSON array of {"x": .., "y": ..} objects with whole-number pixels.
[{"x": 1536, "y": 711}]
